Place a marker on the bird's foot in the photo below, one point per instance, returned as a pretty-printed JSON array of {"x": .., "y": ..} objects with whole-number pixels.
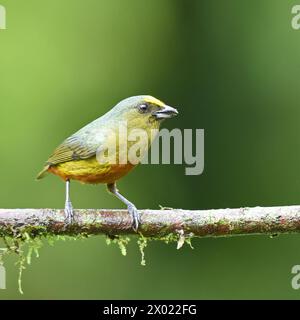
[
  {"x": 69, "y": 213},
  {"x": 135, "y": 216}
]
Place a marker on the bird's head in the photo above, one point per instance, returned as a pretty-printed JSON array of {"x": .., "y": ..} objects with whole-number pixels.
[{"x": 143, "y": 111}]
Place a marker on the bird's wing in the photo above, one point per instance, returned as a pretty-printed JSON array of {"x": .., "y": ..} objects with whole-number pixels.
[{"x": 73, "y": 148}]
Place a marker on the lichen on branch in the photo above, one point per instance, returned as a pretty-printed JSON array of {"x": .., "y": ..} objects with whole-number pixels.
[
  {"x": 25, "y": 228},
  {"x": 154, "y": 223}
]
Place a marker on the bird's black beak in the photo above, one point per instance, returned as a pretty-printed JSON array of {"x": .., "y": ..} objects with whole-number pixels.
[{"x": 166, "y": 112}]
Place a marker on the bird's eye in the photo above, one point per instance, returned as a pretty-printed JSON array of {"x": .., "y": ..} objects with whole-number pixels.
[{"x": 143, "y": 108}]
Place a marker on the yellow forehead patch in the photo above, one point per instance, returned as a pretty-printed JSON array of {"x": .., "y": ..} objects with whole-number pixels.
[{"x": 155, "y": 101}]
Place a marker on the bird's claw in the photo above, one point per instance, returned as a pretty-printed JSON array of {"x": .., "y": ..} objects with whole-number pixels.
[
  {"x": 135, "y": 217},
  {"x": 69, "y": 213}
]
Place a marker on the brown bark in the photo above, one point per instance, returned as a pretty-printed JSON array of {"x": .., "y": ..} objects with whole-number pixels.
[{"x": 154, "y": 223}]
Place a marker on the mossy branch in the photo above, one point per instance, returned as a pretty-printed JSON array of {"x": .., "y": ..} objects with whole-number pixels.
[
  {"x": 21, "y": 228},
  {"x": 154, "y": 223}
]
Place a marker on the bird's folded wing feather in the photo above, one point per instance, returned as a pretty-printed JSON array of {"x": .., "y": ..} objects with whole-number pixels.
[{"x": 73, "y": 148}]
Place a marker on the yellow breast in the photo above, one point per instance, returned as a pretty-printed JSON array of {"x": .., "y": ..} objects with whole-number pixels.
[{"x": 91, "y": 171}]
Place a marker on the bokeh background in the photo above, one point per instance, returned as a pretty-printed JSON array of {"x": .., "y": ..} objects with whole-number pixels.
[{"x": 232, "y": 68}]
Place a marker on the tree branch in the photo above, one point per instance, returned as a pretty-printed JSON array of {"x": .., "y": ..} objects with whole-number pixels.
[{"x": 155, "y": 223}]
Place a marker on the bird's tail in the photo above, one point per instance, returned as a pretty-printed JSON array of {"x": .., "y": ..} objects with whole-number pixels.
[{"x": 43, "y": 173}]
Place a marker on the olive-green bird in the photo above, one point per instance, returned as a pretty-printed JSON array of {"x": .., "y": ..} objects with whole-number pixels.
[{"x": 76, "y": 158}]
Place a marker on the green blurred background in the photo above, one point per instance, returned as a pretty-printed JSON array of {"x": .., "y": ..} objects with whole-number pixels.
[{"x": 232, "y": 68}]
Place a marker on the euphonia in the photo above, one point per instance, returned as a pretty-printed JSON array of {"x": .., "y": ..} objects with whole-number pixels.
[{"x": 76, "y": 157}]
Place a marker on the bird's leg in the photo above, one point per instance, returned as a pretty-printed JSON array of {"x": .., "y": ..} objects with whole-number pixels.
[
  {"x": 68, "y": 206},
  {"x": 130, "y": 206}
]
